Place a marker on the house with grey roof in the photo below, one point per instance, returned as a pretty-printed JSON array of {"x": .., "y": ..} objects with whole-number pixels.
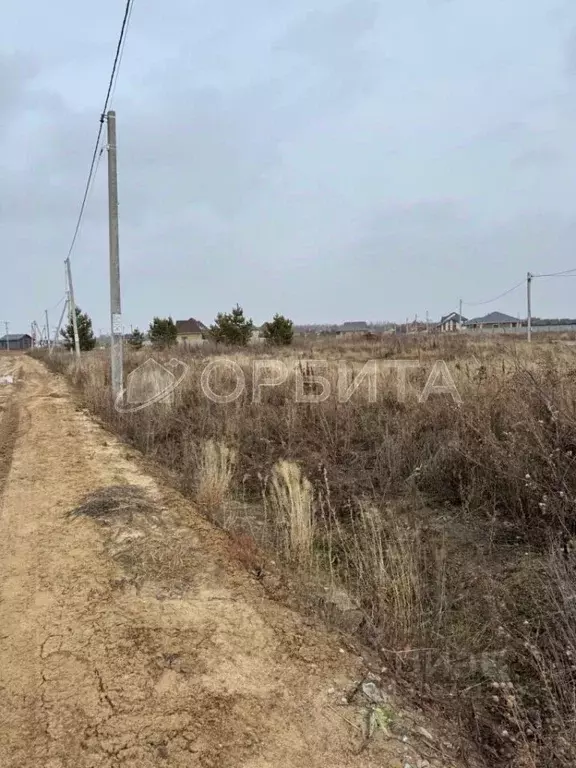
[
  {"x": 451, "y": 322},
  {"x": 355, "y": 327},
  {"x": 494, "y": 321},
  {"x": 16, "y": 341}
]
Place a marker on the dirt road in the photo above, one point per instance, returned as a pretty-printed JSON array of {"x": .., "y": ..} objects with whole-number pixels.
[{"x": 128, "y": 636}]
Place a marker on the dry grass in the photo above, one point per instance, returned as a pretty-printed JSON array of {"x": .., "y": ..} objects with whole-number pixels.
[
  {"x": 451, "y": 527},
  {"x": 214, "y": 476},
  {"x": 387, "y": 558},
  {"x": 290, "y": 501}
]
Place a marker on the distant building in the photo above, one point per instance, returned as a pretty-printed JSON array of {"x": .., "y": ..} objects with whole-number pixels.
[
  {"x": 354, "y": 328},
  {"x": 452, "y": 322},
  {"x": 190, "y": 331},
  {"x": 16, "y": 341},
  {"x": 495, "y": 321}
]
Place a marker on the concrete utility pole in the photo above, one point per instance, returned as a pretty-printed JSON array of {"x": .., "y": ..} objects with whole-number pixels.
[
  {"x": 460, "y": 316},
  {"x": 529, "y": 305},
  {"x": 47, "y": 329},
  {"x": 57, "y": 331},
  {"x": 115, "y": 301},
  {"x": 6, "y": 324},
  {"x": 72, "y": 305}
]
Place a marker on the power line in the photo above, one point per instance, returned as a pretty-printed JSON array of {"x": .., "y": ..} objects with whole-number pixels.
[
  {"x": 95, "y": 156},
  {"x": 117, "y": 57},
  {"x": 501, "y": 295},
  {"x": 51, "y": 309},
  {"x": 120, "y": 56},
  {"x": 564, "y": 273}
]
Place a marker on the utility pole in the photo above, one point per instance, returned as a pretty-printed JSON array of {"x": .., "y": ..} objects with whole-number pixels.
[
  {"x": 57, "y": 331},
  {"x": 72, "y": 306},
  {"x": 6, "y": 325},
  {"x": 47, "y": 329},
  {"x": 115, "y": 301},
  {"x": 33, "y": 334},
  {"x": 460, "y": 316},
  {"x": 529, "y": 305}
]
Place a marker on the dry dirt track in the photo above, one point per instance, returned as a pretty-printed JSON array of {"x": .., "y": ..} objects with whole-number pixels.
[{"x": 99, "y": 668}]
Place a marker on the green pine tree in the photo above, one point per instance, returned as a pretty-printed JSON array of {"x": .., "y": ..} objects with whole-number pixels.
[
  {"x": 136, "y": 339},
  {"x": 279, "y": 331},
  {"x": 85, "y": 332},
  {"x": 163, "y": 332},
  {"x": 232, "y": 328}
]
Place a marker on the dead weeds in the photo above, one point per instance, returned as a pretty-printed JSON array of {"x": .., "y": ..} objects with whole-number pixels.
[{"x": 450, "y": 527}]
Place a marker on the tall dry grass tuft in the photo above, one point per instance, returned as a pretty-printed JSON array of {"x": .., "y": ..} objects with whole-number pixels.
[
  {"x": 290, "y": 500},
  {"x": 214, "y": 476},
  {"x": 387, "y": 558}
]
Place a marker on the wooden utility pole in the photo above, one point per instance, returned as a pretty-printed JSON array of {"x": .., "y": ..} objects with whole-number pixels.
[
  {"x": 115, "y": 299},
  {"x": 72, "y": 306},
  {"x": 529, "y": 305}
]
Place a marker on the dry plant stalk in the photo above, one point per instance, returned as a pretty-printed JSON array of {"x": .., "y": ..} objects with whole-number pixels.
[
  {"x": 389, "y": 557},
  {"x": 214, "y": 476},
  {"x": 291, "y": 503}
]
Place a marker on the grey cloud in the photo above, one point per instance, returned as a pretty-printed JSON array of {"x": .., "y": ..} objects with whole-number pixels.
[
  {"x": 206, "y": 150},
  {"x": 17, "y": 72},
  {"x": 328, "y": 35},
  {"x": 571, "y": 55},
  {"x": 539, "y": 157},
  {"x": 255, "y": 161}
]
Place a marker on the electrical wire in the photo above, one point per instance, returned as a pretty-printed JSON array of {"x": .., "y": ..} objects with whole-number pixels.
[
  {"x": 564, "y": 273},
  {"x": 51, "y": 309},
  {"x": 95, "y": 156},
  {"x": 490, "y": 301},
  {"x": 122, "y": 48}
]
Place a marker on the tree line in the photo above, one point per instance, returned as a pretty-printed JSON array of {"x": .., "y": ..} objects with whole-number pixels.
[{"x": 231, "y": 328}]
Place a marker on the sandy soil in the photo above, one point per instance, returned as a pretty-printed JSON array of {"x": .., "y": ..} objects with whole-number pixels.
[{"x": 129, "y": 636}]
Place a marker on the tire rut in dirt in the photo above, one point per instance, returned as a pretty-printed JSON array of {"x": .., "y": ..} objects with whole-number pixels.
[{"x": 9, "y": 428}]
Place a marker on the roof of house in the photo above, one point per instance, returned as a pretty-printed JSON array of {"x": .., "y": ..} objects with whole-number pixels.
[
  {"x": 493, "y": 318},
  {"x": 453, "y": 316},
  {"x": 190, "y": 326},
  {"x": 358, "y": 325},
  {"x": 15, "y": 337}
]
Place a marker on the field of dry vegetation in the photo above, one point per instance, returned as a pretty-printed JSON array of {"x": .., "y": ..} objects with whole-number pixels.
[{"x": 437, "y": 533}]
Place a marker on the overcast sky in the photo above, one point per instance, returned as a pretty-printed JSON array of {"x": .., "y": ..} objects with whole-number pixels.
[{"x": 330, "y": 160}]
